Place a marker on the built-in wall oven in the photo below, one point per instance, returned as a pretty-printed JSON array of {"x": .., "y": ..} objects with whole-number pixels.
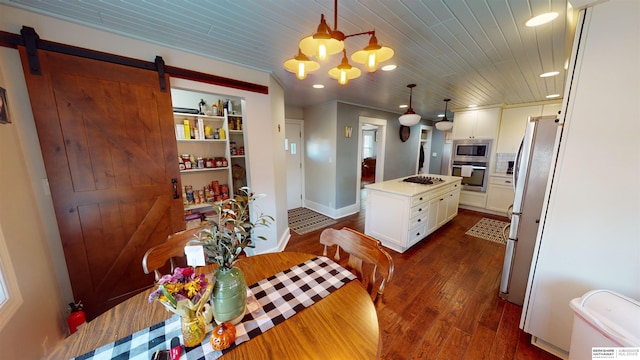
[{"x": 470, "y": 161}]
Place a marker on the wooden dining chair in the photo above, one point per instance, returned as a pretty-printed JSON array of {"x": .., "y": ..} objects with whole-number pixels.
[
  {"x": 366, "y": 258},
  {"x": 157, "y": 256}
]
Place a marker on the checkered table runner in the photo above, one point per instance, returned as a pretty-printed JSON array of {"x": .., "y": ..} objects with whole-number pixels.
[{"x": 278, "y": 298}]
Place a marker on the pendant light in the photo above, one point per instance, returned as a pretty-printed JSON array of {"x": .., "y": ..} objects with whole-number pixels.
[
  {"x": 409, "y": 118},
  {"x": 445, "y": 124},
  {"x": 301, "y": 65},
  {"x": 372, "y": 54},
  {"x": 344, "y": 72},
  {"x": 327, "y": 41},
  {"x": 322, "y": 43}
]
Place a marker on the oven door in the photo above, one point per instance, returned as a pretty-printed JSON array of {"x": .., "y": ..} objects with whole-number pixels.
[{"x": 476, "y": 182}]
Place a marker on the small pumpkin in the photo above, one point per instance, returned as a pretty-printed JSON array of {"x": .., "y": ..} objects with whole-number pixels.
[{"x": 223, "y": 336}]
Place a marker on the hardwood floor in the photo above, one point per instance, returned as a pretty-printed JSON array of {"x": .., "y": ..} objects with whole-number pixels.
[{"x": 443, "y": 300}]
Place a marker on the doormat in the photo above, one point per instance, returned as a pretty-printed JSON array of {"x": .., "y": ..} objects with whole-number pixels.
[
  {"x": 303, "y": 220},
  {"x": 489, "y": 229}
]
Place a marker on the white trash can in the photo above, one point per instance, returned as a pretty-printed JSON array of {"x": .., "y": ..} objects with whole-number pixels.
[{"x": 603, "y": 318}]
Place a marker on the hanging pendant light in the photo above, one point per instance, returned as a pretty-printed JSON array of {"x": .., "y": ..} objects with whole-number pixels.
[
  {"x": 372, "y": 54},
  {"x": 301, "y": 65},
  {"x": 445, "y": 124},
  {"x": 322, "y": 43},
  {"x": 409, "y": 118},
  {"x": 344, "y": 72},
  {"x": 327, "y": 41}
]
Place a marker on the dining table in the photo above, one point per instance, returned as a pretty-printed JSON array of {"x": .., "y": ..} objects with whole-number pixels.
[{"x": 342, "y": 325}]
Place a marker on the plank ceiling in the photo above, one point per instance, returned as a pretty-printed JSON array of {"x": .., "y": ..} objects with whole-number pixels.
[{"x": 472, "y": 51}]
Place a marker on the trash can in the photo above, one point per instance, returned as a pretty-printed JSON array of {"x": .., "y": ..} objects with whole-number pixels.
[{"x": 603, "y": 318}]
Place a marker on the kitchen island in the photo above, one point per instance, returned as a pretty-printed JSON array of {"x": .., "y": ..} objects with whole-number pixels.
[{"x": 401, "y": 213}]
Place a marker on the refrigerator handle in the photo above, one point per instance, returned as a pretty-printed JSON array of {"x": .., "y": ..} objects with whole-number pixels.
[{"x": 516, "y": 168}]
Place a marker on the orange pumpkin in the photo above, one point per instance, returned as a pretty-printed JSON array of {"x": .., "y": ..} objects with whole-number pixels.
[{"x": 223, "y": 336}]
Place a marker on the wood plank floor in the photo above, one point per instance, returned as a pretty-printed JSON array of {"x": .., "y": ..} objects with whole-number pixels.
[{"x": 443, "y": 300}]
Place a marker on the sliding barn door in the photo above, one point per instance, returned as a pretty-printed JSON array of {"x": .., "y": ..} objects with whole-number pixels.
[{"x": 109, "y": 149}]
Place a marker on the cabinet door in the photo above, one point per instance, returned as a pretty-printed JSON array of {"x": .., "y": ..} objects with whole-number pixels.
[
  {"x": 452, "y": 204},
  {"x": 486, "y": 125},
  {"x": 442, "y": 209},
  {"x": 432, "y": 220},
  {"x": 463, "y": 124},
  {"x": 512, "y": 125},
  {"x": 499, "y": 198}
]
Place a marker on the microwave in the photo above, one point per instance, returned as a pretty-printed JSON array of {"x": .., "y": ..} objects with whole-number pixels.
[{"x": 475, "y": 150}]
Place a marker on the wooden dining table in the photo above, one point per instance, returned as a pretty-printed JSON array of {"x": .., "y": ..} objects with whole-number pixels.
[{"x": 343, "y": 325}]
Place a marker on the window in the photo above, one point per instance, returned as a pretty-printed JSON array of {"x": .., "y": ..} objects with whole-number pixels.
[
  {"x": 10, "y": 297},
  {"x": 367, "y": 144}
]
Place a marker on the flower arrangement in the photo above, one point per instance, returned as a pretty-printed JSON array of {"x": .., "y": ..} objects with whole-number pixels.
[
  {"x": 231, "y": 232},
  {"x": 184, "y": 292}
]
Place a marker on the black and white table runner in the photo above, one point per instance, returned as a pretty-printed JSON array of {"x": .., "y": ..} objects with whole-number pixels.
[{"x": 279, "y": 297}]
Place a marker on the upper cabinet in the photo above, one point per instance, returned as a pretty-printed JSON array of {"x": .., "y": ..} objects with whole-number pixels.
[
  {"x": 514, "y": 122},
  {"x": 476, "y": 124}
]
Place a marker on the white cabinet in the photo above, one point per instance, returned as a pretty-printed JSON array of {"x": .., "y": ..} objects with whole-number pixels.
[
  {"x": 473, "y": 199},
  {"x": 514, "y": 121},
  {"x": 500, "y": 194},
  {"x": 399, "y": 221},
  {"x": 480, "y": 124}
]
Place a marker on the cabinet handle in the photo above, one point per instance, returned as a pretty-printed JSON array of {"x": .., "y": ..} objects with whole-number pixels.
[
  {"x": 420, "y": 199},
  {"x": 508, "y": 182},
  {"x": 417, "y": 234},
  {"x": 174, "y": 181},
  {"x": 441, "y": 199},
  {"x": 419, "y": 220},
  {"x": 419, "y": 209}
]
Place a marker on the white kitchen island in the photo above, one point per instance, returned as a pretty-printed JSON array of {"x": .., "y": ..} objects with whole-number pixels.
[{"x": 400, "y": 213}]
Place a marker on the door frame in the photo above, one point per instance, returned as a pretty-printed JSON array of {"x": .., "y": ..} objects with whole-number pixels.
[
  {"x": 380, "y": 151},
  {"x": 427, "y": 151},
  {"x": 302, "y": 155}
]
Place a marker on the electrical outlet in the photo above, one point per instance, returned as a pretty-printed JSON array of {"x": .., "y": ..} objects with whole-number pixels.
[{"x": 435, "y": 154}]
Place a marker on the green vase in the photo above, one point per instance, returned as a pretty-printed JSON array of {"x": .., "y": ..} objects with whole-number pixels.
[{"x": 229, "y": 297}]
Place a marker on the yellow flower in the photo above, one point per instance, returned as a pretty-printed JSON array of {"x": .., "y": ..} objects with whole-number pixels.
[{"x": 192, "y": 288}]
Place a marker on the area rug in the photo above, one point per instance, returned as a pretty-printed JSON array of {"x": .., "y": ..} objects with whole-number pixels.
[
  {"x": 488, "y": 229},
  {"x": 303, "y": 220}
]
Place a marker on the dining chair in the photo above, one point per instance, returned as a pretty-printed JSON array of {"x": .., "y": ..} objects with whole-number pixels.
[
  {"x": 157, "y": 256},
  {"x": 366, "y": 258}
]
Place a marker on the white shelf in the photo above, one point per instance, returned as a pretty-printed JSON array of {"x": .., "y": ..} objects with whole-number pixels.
[
  {"x": 203, "y": 140},
  {"x": 203, "y": 170},
  {"x": 220, "y": 118}
]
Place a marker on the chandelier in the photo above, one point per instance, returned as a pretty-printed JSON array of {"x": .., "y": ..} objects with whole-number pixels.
[{"x": 326, "y": 42}]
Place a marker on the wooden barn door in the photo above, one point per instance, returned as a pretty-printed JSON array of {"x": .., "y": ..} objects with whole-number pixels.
[{"x": 109, "y": 149}]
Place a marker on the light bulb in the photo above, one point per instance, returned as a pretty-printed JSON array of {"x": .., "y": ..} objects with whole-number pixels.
[
  {"x": 343, "y": 79},
  {"x": 322, "y": 49},
  {"x": 372, "y": 61},
  {"x": 302, "y": 73}
]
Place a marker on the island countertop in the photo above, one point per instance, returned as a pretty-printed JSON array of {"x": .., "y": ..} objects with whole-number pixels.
[{"x": 400, "y": 187}]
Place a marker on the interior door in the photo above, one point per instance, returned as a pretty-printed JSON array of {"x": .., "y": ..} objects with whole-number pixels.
[
  {"x": 293, "y": 134},
  {"x": 107, "y": 139}
]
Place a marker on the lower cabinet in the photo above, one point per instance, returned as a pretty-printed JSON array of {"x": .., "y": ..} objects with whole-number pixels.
[
  {"x": 500, "y": 194},
  {"x": 473, "y": 198},
  {"x": 400, "y": 221}
]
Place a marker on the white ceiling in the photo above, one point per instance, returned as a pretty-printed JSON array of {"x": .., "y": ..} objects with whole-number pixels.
[{"x": 472, "y": 51}]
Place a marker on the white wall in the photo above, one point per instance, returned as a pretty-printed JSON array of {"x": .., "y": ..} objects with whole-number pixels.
[
  {"x": 590, "y": 235},
  {"x": 320, "y": 157},
  {"x": 27, "y": 203},
  {"x": 27, "y": 223}
]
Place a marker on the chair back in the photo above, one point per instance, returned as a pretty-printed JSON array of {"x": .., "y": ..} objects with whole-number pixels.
[
  {"x": 157, "y": 256},
  {"x": 364, "y": 256}
]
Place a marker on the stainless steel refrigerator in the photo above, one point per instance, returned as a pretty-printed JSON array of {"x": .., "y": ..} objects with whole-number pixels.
[{"x": 530, "y": 178}]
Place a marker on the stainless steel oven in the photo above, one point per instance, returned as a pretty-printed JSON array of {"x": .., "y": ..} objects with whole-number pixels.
[
  {"x": 474, "y": 174},
  {"x": 472, "y": 150}
]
